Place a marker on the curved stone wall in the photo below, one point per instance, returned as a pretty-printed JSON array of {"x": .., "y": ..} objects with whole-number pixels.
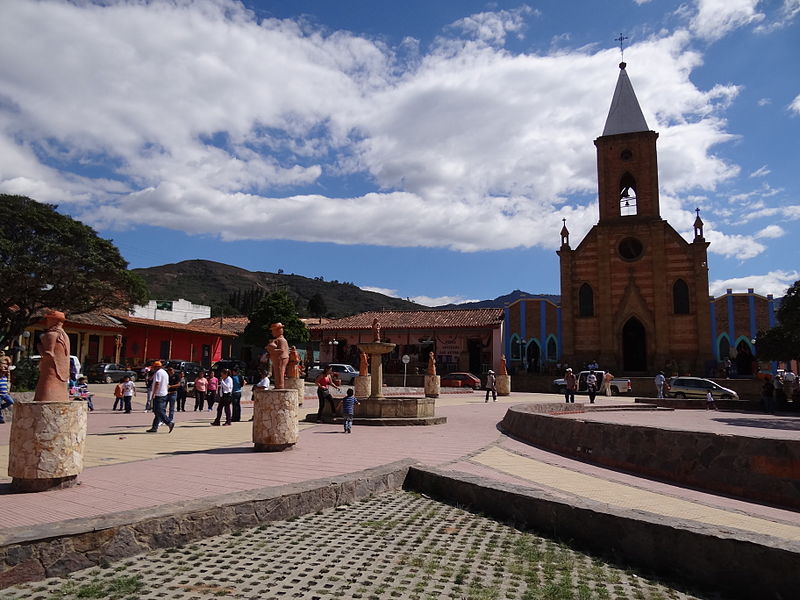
[{"x": 765, "y": 470}]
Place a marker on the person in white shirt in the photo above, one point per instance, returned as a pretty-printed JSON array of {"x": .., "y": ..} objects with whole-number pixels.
[
  {"x": 128, "y": 392},
  {"x": 225, "y": 398},
  {"x": 660, "y": 380},
  {"x": 160, "y": 389}
]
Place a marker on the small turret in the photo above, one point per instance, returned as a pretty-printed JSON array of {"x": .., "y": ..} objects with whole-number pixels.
[
  {"x": 698, "y": 227},
  {"x": 564, "y": 235}
]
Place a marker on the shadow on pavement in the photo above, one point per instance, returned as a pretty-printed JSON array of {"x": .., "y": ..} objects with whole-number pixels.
[{"x": 790, "y": 424}]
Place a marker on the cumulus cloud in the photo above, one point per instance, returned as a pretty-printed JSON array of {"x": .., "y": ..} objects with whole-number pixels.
[
  {"x": 795, "y": 105},
  {"x": 774, "y": 282},
  {"x": 492, "y": 27},
  {"x": 196, "y": 110},
  {"x": 423, "y": 300},
  {"x": 771, "y": 231},
  {"x": 716, "y": 18}
]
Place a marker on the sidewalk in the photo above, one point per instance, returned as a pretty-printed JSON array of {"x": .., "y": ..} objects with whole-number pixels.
[{"x": 127, "y": 468}]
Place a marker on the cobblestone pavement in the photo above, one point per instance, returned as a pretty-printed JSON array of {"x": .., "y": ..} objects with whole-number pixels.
[{"x": 397, "y": 545}]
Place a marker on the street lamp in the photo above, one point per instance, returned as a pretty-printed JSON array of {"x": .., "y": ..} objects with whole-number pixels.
[{"x": 332, "y": 347}]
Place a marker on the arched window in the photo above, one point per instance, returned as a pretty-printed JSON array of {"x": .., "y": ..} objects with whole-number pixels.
[
  {"x": 552, "y": 349},
  {"x": 680, "y": 297},
  {"x": 724, "y": 348},
  {"x": 627, "y": 195},
  {"x": 586, "y": 301}
]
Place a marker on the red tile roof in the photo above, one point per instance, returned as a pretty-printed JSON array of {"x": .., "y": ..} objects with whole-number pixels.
[
  {"x": 234, "y": 324},
  {"x": 170, "y": 325},
  {"x": 95, "y": 319},
  {"x": 417, "y": 319}
]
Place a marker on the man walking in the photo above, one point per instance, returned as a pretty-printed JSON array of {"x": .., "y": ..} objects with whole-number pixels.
[
  {"x": 570, "y": 386},
  {"x": 660, "y": 380},
  {"x": 160, "y": 387},
  {"x": 491, "y": 386},
  {"x": 236, "y": 395}
]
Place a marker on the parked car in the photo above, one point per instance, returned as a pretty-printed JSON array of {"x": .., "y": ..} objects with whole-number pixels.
[
  {"x": 144, "y": 370},
  {"x": 229, "y": 364},
  {"x": 191, "y": 369},
  {"x": 109, "y": 373},
  {"x": 697, "y": 387},
  {"x": 619, "y": 385},
  {"x": 467, "y": 380},
  {"x": 345, "y": 373}
]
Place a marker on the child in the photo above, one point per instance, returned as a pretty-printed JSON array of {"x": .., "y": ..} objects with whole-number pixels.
[
  {"x": 710, "y": 401},
  {"x": 348, "y": 405},
  {"x": 5, "y": 397},
  {"x": 118, "y": 396},
  {"x": 128, "y": 392},
  {"x": 81, "y": 392}
]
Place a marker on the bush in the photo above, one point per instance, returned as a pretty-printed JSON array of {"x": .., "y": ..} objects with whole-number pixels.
[{"x": 25, "y": 376}]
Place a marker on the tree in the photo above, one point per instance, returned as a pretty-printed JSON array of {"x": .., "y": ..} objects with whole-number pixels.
[
  {"x": 782, "y": 342},
  {"x": 277, "y": 307},
  {"x": 49, "y": 260},
  {"x": 316, "y": 305}
]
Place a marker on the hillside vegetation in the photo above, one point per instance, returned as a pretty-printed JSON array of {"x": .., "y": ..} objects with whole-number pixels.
[{"x": 231, "y": 290}]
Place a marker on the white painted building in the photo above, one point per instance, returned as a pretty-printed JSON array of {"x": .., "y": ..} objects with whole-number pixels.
[{"x": 176, "y": 311}]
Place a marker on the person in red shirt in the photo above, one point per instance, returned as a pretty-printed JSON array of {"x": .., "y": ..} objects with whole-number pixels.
[{"x": 324, "y": 382}]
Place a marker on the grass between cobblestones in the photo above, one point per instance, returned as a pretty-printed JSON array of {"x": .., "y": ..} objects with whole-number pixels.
[{"x": 397, "y": 545}]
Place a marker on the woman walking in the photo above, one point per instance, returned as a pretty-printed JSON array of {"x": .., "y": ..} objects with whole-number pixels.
[
  {"x": 200, "y": 387},
  {"x": 211, "y": 390},
  {"x": 323, "y": 382},
  {"x": 225, "y": 398}
]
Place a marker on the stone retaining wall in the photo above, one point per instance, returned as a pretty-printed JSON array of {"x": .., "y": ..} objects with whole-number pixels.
[
  {"x": 33, "y": 553},
  {"x": 760, "y": 469},
  {"x": 748, "y": 566}
]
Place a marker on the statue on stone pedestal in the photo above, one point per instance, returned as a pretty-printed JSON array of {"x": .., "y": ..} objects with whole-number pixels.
[
  {"x": 503, "y": 369},
  {"x": 278, "y": 349},
  {"x": 431, "y": 364},
  {"x": 376, "y": 330},
  {"x": 54, "y": 365},
  {"x": 363, "y": 367},
  {"x": 294, "y": 363}
]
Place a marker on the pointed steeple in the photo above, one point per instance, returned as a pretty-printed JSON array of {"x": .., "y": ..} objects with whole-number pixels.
[{"x": 625, "y": 115}]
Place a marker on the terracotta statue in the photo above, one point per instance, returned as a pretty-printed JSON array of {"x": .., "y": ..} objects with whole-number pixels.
[
  {"x": 503, "y": 370},
  {"x": 431, "y": 364},
  {"x": 278, "y": 349},
  {"x": 376, "y": 331},
  {"x": 363, "y": 366},
  {"x": 294, "y": 363},
  {"x": 5, "y": 364},
  {"x": 54, "y": 365}
]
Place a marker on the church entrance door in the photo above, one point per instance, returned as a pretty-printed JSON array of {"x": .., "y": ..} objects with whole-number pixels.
[{"x": 634, "y": 346}]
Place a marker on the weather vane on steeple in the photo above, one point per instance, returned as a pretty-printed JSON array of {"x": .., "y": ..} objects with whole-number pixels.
[{"x": 621, "y": 39}]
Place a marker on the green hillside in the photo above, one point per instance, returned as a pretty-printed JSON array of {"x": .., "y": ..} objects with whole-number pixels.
[{"x": 230, "y": 290}]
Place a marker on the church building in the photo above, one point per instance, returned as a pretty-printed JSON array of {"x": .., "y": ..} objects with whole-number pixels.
[{"x": 634, "y": 292}]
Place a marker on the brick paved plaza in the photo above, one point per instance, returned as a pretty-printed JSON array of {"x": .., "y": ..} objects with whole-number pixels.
[{"x": 396, "y": 545}]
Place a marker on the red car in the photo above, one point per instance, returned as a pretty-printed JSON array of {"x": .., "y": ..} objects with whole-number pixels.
[{"x": 467, "y": 380}]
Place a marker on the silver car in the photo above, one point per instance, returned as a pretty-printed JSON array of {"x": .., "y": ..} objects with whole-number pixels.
[{"x": 697, "y": 387}]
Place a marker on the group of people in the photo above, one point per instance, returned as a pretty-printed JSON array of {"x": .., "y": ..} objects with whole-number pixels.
[
  {"x": 597, "y": 382},
  {"x": 167, "y": 390},
  {"x": 324, "y": 382}
]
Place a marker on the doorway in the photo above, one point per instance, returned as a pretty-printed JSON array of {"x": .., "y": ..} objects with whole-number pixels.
[
  {"x": 634, "y": 346},
  {"x": 534, "y": 356}
]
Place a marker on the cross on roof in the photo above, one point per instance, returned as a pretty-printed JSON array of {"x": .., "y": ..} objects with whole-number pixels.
[{"x": 621, "y": 39}]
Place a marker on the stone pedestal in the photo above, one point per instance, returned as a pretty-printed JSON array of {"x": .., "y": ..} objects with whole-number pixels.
[
  {"x": 299, "y": 384},
  {"x": 363, "y": 385},
  {"x": 46, "y": 445},
  {"x": 504, "y": 385},
  {"x": 275, "y": 425},
  {"x": 432, "y": 386}
]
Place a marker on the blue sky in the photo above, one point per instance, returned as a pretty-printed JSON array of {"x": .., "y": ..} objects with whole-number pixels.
[{"x": 425, "y": 149}]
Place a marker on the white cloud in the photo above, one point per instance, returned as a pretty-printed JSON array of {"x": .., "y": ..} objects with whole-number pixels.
[
  {"x": 762, "y": 171},
  {"x": 392, "y": 293},
  {"x": 764, "y": 101},
  {"x": 441, "y": 300},
  {"x": 716, "y": 18},
  {"x": 774, "y": 282},
  {"x": 770, "y": 231},
  {"x": 795, "y": 105},
  {"x": 492, "y": 27},
  {"x": 201, "y": 111}
]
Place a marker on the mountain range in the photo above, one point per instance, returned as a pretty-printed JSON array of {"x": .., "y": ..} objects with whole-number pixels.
[{"x": 232, "y": 290}]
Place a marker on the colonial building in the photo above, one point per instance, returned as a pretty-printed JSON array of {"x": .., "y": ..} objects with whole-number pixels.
[{"x": 462, "y": 340}]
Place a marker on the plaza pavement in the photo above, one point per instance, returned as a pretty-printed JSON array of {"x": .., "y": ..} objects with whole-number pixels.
[{"x": 127, "y": 468}]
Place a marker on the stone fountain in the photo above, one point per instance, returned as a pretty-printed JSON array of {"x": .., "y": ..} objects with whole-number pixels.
[{"x": 395, "y": 410}]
